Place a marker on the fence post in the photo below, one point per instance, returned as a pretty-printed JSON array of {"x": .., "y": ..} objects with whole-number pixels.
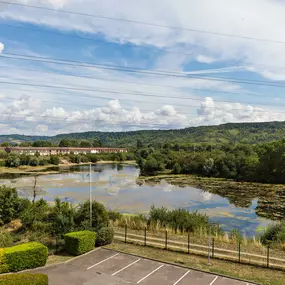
[
  {"x": 56, "y": 249},
  {"x": 125, "y": 233},
  {"x": 268, "y": 256},
  {"x": 145, "y": 236},
  {"x": 213, "y": 248},
  {"x": 166, "y": 239},
  {"x": 239, "y": 251},
  {"x": 209, "y": 245},
  {"x": 188, "y": 243}
]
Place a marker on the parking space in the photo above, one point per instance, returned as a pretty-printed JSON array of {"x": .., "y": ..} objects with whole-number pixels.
[{"x": 103, "y": 266}]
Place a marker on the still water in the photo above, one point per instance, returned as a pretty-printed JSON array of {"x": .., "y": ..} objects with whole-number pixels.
[{"x": 115, "y": 186}]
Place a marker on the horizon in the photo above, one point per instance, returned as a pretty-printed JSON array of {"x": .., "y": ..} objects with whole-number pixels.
[{"x": 139, "y": 130}]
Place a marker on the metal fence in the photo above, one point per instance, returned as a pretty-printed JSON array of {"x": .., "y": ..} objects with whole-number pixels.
[{"x": 211, "y": 250}]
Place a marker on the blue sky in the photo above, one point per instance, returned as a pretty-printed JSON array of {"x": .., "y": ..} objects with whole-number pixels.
[{"x": 88, "y": 97}]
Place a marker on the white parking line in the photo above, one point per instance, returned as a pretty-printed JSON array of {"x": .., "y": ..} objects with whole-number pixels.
[
  {"x": 214, "y": 280},
  {"x": 126, "y": 267},
  {"x": 102, "y": 261},
  {"x": 150, "y": 274},
  {"x": 181, "y": 278}
]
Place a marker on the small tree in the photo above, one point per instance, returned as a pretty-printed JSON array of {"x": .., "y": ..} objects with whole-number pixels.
[
  {"x": 99, "y": 215},
  {"x": 176, "y": 168},
  {"x": 54, "y": 159},
  {"x": 9, "y": 204},
  {"x": 62, "y": 218}
]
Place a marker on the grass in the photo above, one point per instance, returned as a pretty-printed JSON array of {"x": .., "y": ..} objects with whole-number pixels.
[
  {"x": 250, "y": 273},
  {"x": 58, "y": 258}
]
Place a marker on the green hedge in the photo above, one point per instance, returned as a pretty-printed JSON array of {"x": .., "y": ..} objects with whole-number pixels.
[
  {"x": 24, "y": 256},
  {"x": 77, "y": 243},
  {"x": 24, "y": 279},
  {"x": 104, "y": 236}
]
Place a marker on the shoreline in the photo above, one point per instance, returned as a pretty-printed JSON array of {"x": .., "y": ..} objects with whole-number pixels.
[{"x": 44, "y": 170}]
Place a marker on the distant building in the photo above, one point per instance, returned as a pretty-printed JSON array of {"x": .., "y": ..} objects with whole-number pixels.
[{"x": 61, "y": 150}]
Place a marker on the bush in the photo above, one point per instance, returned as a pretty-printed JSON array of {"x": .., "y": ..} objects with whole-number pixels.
[
  {"x": 77, "y": 243},
  {"x": 24, "y": 279},
  {"x": 274, "y": 234},
  {"x": 104, "y": 236},
  {"x": 5, "y": 239},
  {"x": 99, "y": 215},
  {"x": 25, "y": 256}
]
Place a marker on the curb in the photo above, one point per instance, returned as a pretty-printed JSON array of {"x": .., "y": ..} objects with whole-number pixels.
[{"x": 183, "y": 266}]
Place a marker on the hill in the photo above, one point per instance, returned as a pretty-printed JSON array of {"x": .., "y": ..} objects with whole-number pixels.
[{"x": 250, "y": 133}]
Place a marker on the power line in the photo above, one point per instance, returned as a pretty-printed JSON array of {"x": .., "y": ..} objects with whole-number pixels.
[
  {"x": 138, "y": 83},
  {"x": 183, "y": 75},
  {"x": 57, "y": 33},
  {"x": 123, "y": 92},
  {"x": 182, "y": 105},
  {"x": 146, "y": 23}
]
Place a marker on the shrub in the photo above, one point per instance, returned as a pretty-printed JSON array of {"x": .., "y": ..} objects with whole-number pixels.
[
  {"x": 104, "y": 236},
  {"x": 99, "y": 215},
  {"x": 5, "y": 239},
  {"x": 77, "y": 243},
  {"x": 274, "y": 234},
  {"x": 24, "y": 279},
  {"x": 25, "y": 256}
]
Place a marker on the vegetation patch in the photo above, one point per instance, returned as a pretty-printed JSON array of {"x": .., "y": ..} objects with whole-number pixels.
[
  {"x": 24, "y": 256},
  {"x": 77, "y": 243},
  {"x": 24, "y": 279},
  {"x": 104, "y": 236}
]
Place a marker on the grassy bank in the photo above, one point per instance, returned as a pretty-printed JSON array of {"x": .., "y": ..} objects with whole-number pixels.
[{"x": 250, "y": 273}]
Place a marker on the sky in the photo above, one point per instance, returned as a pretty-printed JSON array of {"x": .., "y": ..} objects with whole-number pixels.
[{"x": 122, "y": 65}]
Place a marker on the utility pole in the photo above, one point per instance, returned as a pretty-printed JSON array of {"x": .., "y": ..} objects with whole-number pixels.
[{"x": 90, "y": 194}]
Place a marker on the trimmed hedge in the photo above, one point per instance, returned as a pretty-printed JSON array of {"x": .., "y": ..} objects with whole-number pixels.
[
  {"x": 24, "y": 256},
  {"x": 77, "y": 243},
  {"x": 104, "y": 236},
  {"x": 24, "y": 279}
]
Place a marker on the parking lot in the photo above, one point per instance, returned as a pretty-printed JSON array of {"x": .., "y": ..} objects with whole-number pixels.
[{"x": 104, "y": 266}]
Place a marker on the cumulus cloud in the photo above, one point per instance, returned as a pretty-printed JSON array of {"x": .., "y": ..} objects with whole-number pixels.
[
  {"x": 211, "y": 113},
  {"x": 114, "y": 117}
]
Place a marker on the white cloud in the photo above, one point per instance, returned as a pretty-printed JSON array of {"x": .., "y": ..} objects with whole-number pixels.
[
  {"x": 205, "y": 59},
  {"x": 114, "y": 117},
  {"x": 253, "y": 19},
  {"x": 211, "y": 113},
  {"x": 1, "y": 47}
]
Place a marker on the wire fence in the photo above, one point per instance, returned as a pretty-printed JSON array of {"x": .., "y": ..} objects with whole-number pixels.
[{"x": 265, "y": 256}]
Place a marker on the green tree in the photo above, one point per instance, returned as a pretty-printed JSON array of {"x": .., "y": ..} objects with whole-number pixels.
[
  {"x": 41, "y": 143},
  {"x": 62, "y": 217},
  {"x": 64, "y": 143},
  {"x": 9, "y": 204},
  {"x": 97, "y": 143},
  {"x": 176, "y": 168},
  {"x": 35, "y": 216},
  {"x": 85, "y": 144},
  {"x": 54, "y": 159},
  {"x": 99, "y": 215},
  {"x": 139, "y": 144},
  {"x": 5, "y": 144},
  {"x": 13, "y": 160},
  {"x": 3, "y": 154}
]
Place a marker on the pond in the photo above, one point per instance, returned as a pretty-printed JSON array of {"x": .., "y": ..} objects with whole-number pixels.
[{"x": 115, "y": 186}]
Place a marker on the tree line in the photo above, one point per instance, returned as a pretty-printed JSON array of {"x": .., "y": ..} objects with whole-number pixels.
[
  {"x": 62, "y": 143},
  {"x": 14, "y": 159},
  {"x": 257, "y": 163}
]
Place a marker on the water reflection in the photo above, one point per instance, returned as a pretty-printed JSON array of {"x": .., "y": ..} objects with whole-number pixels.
[{"x": 115, "y": 186}]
